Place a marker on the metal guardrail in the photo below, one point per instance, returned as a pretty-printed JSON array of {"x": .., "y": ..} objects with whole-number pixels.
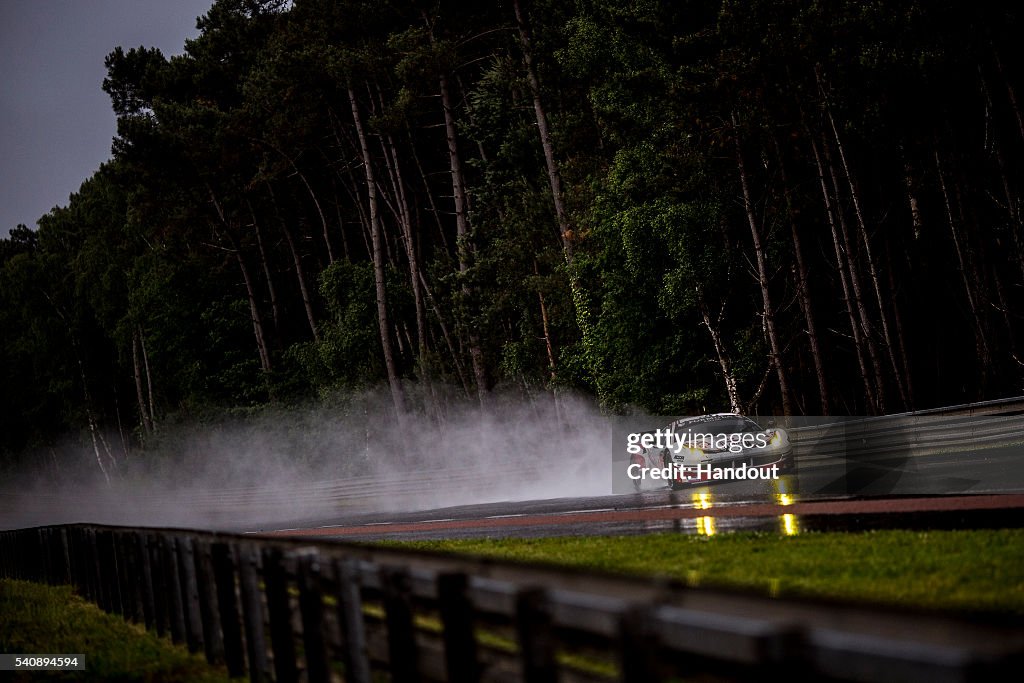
[
  {"x": 906, "y": 436},
  {"x": 284, "y": 611}
]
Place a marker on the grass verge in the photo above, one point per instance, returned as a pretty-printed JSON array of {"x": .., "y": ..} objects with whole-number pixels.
[
  {"x": 40, "y": 619},
  {"x": 967, "y": 570}
]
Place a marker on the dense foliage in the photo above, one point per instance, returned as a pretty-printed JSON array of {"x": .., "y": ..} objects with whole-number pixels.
[{"x": 684, "y": 206}]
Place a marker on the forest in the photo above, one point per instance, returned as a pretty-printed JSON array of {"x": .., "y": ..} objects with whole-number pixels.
[{"x": 673, "y": 206}]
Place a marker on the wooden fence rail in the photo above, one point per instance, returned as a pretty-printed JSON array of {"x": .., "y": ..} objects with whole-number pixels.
[{"x": 282, "y": 611}]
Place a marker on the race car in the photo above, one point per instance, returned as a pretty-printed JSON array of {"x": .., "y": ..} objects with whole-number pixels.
[{"x": 708, "y": 449}]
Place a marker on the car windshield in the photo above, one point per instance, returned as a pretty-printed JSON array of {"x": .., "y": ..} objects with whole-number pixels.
[{"x": 717, "y": 424}]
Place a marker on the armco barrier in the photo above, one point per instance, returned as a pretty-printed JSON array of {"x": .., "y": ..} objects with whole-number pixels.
[{"x": 285, "y": 610}]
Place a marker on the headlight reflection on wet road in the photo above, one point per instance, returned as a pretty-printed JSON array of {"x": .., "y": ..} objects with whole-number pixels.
[{"x": 788, "y": 523}]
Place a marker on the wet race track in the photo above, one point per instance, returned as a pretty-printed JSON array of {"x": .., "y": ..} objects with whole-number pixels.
[{"x": 940, "y": 490}]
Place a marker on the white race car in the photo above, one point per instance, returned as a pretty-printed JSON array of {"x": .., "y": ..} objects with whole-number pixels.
[{"x": 707, "y": 449}]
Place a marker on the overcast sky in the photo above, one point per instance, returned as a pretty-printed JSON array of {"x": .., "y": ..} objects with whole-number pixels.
[{"x": 56, "y": 122}]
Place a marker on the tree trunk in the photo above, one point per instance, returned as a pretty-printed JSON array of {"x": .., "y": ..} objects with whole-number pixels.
[
  {"x": 915, "y": 210},
  {"x": 434, "y": 211},
  {"x": 149, "y": 380},
  {"x": 858, "y": 299},
  {"x": 300, "y": 272},
  {"x": 762, "y": 276},
  {"x": 900, "y": 338},
  {"x": 456, "y": 364},
  {"x": 312, "y": 195},
  {"x": 554, "y": 174},
  {"x": 803, "y": 286},
  {"x": 254, "y": 310},
  {"x": 272, "y": 290},
  {"x": 552, "y": 367},
  {"x": 731, "y": 387},
  {"x": 565, "y": 227},
  {"x": 397, "y": 393},
  {"x": 872, "y": 271},
  {"x": 858, "y": 342},
  {"x": 147, "y": 424},
  {"x": 408, "y": 236},
  {"x": 980, "y": 340},
  {"x": 463, "y": 240}
]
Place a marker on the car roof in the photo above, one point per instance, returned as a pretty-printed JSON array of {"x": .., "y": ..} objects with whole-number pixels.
[{"x": 711, "y": 417}]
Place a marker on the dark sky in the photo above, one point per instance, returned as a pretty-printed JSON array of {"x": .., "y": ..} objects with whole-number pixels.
[{"x": 56, "y": 122}]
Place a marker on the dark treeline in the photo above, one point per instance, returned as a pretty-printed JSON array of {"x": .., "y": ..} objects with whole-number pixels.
[{"x": 790, "y": 207}]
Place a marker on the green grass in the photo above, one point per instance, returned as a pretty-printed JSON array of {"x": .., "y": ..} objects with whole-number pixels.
[
  {"x": 39, "y": 619},
  {"x": 970, "y": 570}
]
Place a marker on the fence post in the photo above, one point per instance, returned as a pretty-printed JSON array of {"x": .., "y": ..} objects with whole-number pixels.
[
  {"x": 108, "y": 567},
  {"x": 311, "y": 607},
  {"x": 227, "y": 601},
  {"x": 637, "y": 647},
  {"x": 132, "y": 562},
  {"x": 533, "y": 629},
  {"x": 350, "y": 621},
  {"x": 98, "y": 586},
  {"x": 124, "y": 578},
  {"x": 45, "y": 556},
  {"x": 279, "y": 609},
  {"x": 5, "y": 570},
  {"x": 75, "y": 558},
  {"x": 95, "y": 573},
  {"x": 460, "y": 653},
  {"x": 252, "y": 614},
  {"x": 145, "y": 579},
  {"x": 66, "y": 556},
  {"x": 213, "y": 641},
  {"x": 42, "y": 556},
  {"x": 159, "y": 576},
  {"x": 398, "y": 615},
  {"x": 176, "y": 610},
  {"x": 190, "y": 594}
]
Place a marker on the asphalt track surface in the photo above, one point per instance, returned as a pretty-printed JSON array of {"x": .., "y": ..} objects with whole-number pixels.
[{"x": 946, "y": 490}]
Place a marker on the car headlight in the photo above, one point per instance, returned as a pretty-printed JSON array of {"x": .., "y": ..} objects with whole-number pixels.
[
  {"x": 778, "y": 438},
  {"x": 692, "y": 452}
]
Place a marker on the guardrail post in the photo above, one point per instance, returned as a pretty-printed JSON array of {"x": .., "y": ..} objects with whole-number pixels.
[
  {"x": 124, "y": 579},
  {"x": 213, "y": 642},
  {"x": 311, "y": 607},
  {"x": 176, "y": 610},
  {"x": 227, "y": 601},
  {"x": 108, "y": 571},
  {"x": 75, "y": 559},
  {"x": 190, "y": 594},
  {"x": 460, "y": 653},
  {"x": 5, "y": 555},
  {"x": 279, "y": 609},
  {"x": 145, "y": 579},
  {"x": 159, "y": 580},
  {"x": 252, "y": 614},
  {"x": 66, "y": 556},
  {"x": 350, "y": 620},
  {"x": 96, "y": 571},
  {"x": 638, "y": 650},
  {"x": 396, "y": 589},
  {"x": 111, "y": 567},
  {"x": 130, "y": 553},
  {"x": 45, "y": 556},
  {"x": 534, "y": 632}
]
